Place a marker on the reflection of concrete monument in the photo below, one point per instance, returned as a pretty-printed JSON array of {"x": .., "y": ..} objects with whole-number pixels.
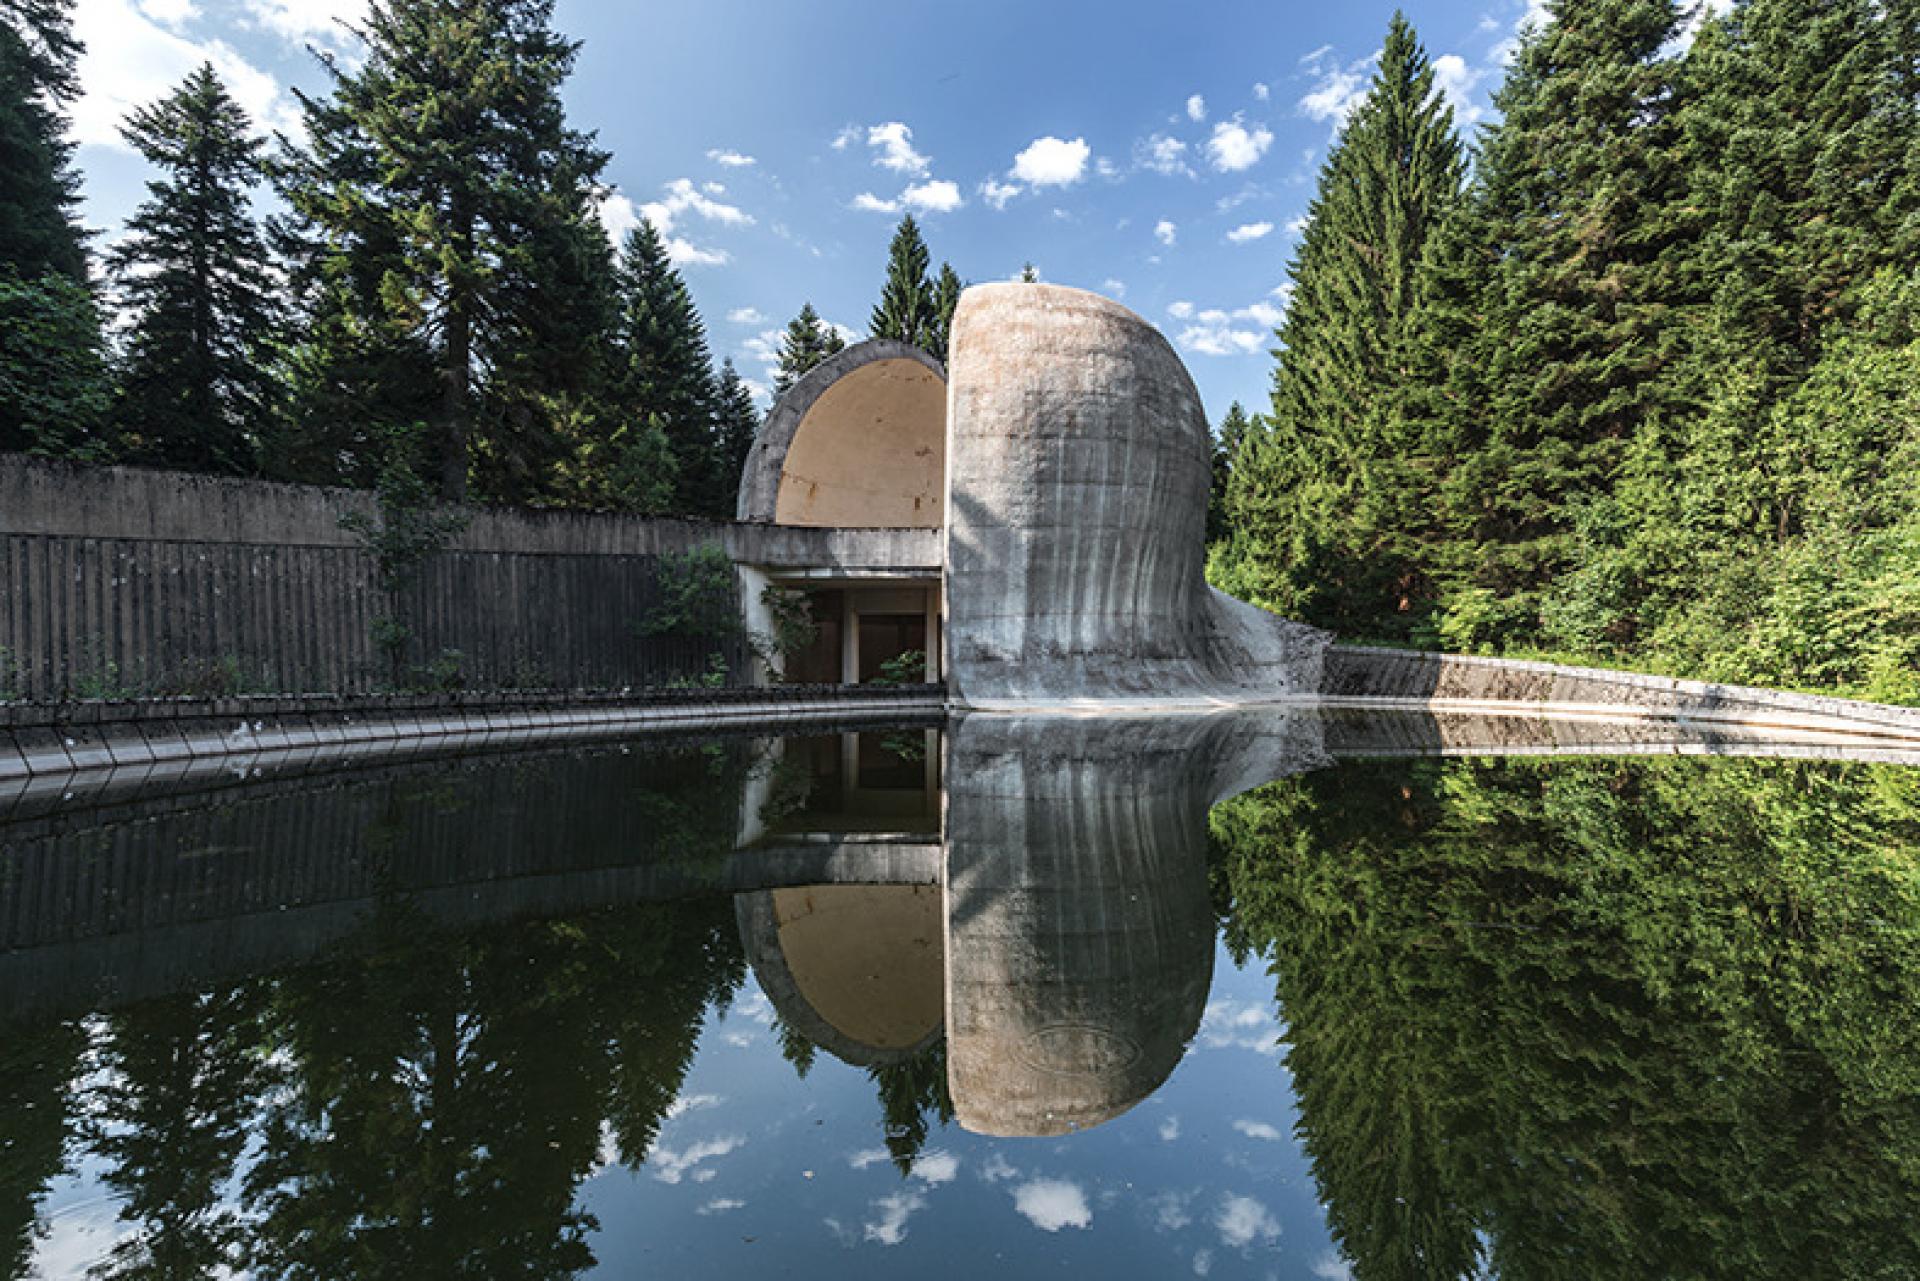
[{"x": 1068, "y": 463}]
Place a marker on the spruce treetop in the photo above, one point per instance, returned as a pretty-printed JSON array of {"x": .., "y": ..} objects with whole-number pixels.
[{"x": 906, "y": 310}]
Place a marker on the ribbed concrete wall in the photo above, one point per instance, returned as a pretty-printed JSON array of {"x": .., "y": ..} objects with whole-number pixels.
[
  {"x": 1078, "y": 463},
  {"x": 115, "y": 580}
]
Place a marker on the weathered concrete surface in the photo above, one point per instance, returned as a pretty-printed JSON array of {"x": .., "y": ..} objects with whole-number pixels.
[
  {"x": 855, "y": 968},
  {"x": 1079, "y": 931},
  {"x": 859, "y": 440},
  {"x": 1364, "y": 676},
  {"x": 1078, "y": 463}
]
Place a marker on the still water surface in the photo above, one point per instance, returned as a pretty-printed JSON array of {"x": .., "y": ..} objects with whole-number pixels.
[{"x": 1293, "y": 997}]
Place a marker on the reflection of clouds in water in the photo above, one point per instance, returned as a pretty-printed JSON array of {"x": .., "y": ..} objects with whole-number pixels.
[
  {"x": 1170, "y": 1212},
  {"x": 1170, "y": 1129},
  {"x": 1052, "y": 1204},
  {"x": 890, "y": 1228},
  {"x": 936, "y": 1168},
  {"x": 1329, "y": 1268},
  {"x": 868, "y": 1156},
  {"x": 1202, "y": 1262},
  {"x": 740, "y": 1039},
  {"x": 1243, "y": 1221},
  {"x": 1239, "y": 1025},
  {"x": 670, "y": 1166},
  {"x": 997, "y": 1169},
  {"x": 1259, "y": 1130},
  {"x": 756, "y": 1007},
  {"x": 720, "y": 1205},
  {"x": 79, "y": 1237},
  {"x": 690, "y": 1103}
]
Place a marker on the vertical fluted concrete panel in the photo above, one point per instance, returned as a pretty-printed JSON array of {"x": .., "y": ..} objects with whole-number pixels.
[
  {"x": 1079, "y": 932},
  {"x": 1078, "y": 463}
]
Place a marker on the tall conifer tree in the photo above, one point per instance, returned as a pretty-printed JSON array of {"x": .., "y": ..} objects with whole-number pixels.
[
  {"x": 447, "y": 210},
  {"x": 906, "y": 310},
  {"x": 1572, "y": 351},
  {"x": 197, "y": 389},
  {"x": 39, "y": 190},
  {"x": 737, "y": 422},
  {"x": 947, "y": 288},
  {"x": 1316, "y": 502},
  {"x": 665, "y": 372},
  {"x": 808, "y": 341}
]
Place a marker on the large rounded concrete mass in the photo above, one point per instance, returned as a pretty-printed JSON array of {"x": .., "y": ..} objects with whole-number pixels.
[{"x": 1078, "y": 465}]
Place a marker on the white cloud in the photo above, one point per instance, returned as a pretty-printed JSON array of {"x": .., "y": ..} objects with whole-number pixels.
[
  {"x": 1181, "y": 310},
  {"x": 1261, "y": 93},
  {"x": 1161, "y": 153},
  {"x": 1202, "y": 1262},
  {"x": 131, "y": 61},
  {"x": 1250, "y": 231},
  {"x": 170, "y": 13},
  {"x": 1243, "y": 1221},
  {"x": 869, "y": 1156},
  {"x": 893, "y": 143},
  {"x": 1228, "y": 1024},
  {"x": 618, "y": 216},
  {"x": 691, "y": 1103},
  {"x": 890, "y": 1227},
  {"x": 1170, "y": 1211},
  {"x": 730, "y": 159},
  {"x": 1298, "y": 226},
  {"x": 1052, "y": 162},
  {"x": 935, "y": 1168},
  {"x": 998, "y": 193},
  {"x": 720, "y": 1205},
  {"x": 1330, "y": 1268},
  {"x": 1235, "y": 147},
  {"x": 684, "y": 198},
  {"x": 933, "y": 197},
  {"x": 746, "y": 316},
  {"x": 682, "y": 252},
  {"x": 671, "y": 1166},
  {"x": 1052, "y": 1204},
  {"x": 867, "y": 202},
  {"x": 1196, "y": 108},
  {"x": 1215, "y": 335},
  {"x": 1259, "y": 1130},
  {"x": 997, "y": 1169},
  {"x": 1164, "y": 231},
  {"x": 1170, "y": 1129},
  {"x": 1454, "y": 80},
  {"x": 303, "y": 22},
  {"x": 1114, "y": 288},
  {"x": 1338, "y": 89},
  {"x": 1262, "y": 313}
]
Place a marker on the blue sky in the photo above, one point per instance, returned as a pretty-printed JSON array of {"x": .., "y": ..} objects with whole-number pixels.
[{"x": 1157, "y": 153}]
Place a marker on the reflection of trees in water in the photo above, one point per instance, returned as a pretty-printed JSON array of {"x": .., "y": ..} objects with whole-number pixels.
[
  {"x": 37, "y": 1063},
  {"x": 912, "y": 1092},
  {"x": 183, "y": 1080},
  {"x": 1599, "y": 1019}
]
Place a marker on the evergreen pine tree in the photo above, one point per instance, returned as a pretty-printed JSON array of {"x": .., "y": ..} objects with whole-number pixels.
[
  {"x": 1227, "y": 443},
  {"x": 1320, "y": 507},
  {"x": 444, "y": 215},
  {"x": 737, "y": 423},
  {"x": 665, "y": 373},
  {"x": 194, "y": 275},
  {"x": 807, "y": 342},
  {"x": 38, "y": 188},
  {"x": 1577, "y": 221},
  {"x": 947, "y": 288},
  {"x": 1029, "y": 275},
  {"x": 905, "y": 311}
]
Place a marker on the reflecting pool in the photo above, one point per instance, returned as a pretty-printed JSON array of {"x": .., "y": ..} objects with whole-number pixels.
[{"x": 1294, "y": 995}]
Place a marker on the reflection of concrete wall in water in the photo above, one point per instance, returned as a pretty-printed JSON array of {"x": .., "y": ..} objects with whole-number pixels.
[
  {"x": 1079, "y": 933},
  {"x": 1078, "y": 464}
]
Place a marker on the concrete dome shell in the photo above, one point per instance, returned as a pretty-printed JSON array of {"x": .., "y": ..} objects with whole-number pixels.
[
  {"x": 860, "y": 440},
  {"x": 856, "y": 969},
  {"x": 1078, "y": 466}
]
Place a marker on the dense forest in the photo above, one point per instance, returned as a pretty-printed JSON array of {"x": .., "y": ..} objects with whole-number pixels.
[
  {"x": 435, "y": 291},
  {"x": 1633, "y": 377}
]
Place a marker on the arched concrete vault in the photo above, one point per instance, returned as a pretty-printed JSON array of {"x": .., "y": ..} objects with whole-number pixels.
[{"x": 859, "y": 441}]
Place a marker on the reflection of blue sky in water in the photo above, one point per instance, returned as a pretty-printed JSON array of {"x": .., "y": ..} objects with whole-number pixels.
[{"x": 757, "y": 1171}]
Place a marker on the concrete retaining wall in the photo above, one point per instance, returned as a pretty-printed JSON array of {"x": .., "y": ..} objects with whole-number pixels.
[
  {"x": 116, "y": 580},
  {"x": 1366, "y": 676}
]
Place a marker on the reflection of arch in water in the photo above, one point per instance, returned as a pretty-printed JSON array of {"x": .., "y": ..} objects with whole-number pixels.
[
  {"x": 859, "y": 441},
  {"x": 856, "y": 969}
]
